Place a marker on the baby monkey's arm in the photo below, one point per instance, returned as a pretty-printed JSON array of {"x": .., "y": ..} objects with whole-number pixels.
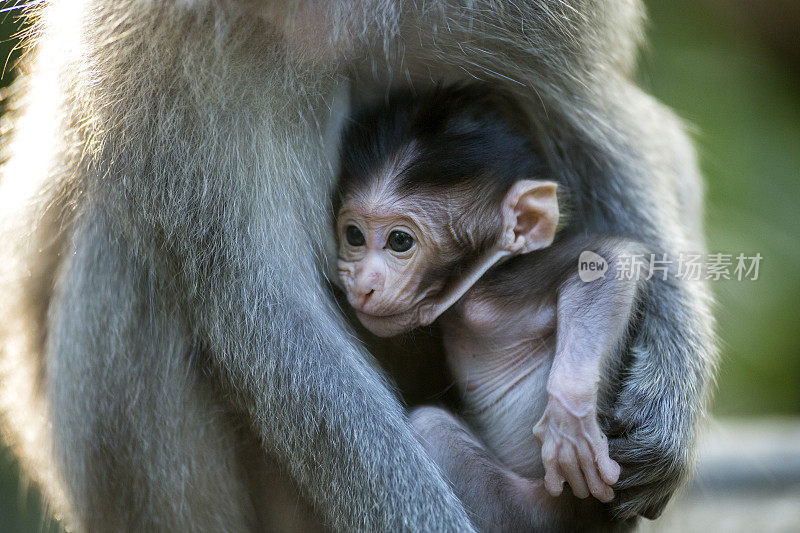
[{"x": 592, "y": 318}]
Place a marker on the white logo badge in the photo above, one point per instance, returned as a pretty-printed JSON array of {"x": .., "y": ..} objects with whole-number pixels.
[{"x": 591, "y": 266}]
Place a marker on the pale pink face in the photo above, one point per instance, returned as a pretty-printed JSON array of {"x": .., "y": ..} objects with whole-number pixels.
[
  {"x": 390, "y": 243},
  {"x": 385, "y": 252}
]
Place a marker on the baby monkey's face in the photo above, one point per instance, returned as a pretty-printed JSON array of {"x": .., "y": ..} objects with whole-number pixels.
[
  {"x": 393, "y": 250},
  {"x": 385, "y": 259}
]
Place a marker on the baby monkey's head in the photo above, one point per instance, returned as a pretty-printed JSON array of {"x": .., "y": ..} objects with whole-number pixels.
[{"x": 434, "y": 189}]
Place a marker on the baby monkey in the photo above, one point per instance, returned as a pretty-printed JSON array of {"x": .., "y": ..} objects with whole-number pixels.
[{"x": 442, "y": 214}]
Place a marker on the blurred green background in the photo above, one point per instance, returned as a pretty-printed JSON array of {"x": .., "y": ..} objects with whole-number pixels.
[{"x": 731, "y": 69}]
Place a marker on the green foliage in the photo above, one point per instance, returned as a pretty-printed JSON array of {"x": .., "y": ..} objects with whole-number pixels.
[{"x": 744, "y": 105}]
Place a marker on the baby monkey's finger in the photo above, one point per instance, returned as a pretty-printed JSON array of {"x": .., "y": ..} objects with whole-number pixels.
[
  {"x": 597, "y": 486},
  {"x": 609, "y": 469},
  {"x": 568, "y": 461},
  {"x": 540, "y": 432},
  {"x": 553, "y": 480}
]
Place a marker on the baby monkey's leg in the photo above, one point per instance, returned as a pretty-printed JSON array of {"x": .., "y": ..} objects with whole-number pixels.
[{"x": 498, "y": 499}]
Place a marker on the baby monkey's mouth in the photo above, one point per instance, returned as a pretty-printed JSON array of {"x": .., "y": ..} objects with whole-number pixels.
[
  {"x": 397, "y": 321},
  {"x": 369, "y": 307},
  {"x": 376, "y": 315},
  {"x": 381, "y": 314},
  {"x": 388, "y": 306},
  {"x": 389, "y": 325},
  {"x": 370, "y": 310}
]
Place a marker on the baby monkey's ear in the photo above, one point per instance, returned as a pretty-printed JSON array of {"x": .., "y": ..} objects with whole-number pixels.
[{"x": 530, "y": 216}]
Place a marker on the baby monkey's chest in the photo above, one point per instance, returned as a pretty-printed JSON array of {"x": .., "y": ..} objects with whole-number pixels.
[
  {"x": 500, "y": 358},
  {"x": 493, "y": 349}
]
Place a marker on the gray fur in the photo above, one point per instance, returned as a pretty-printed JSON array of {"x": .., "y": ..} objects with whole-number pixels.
[{"x": 169, "y": 352}]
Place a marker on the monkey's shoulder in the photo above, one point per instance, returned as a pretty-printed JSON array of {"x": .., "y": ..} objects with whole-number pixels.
[
  {"x": 486, "y": 312},
  {"x": 522, "y": 281}
]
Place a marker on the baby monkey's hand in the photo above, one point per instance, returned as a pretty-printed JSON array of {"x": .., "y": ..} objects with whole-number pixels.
[{"x": 574, "y": 448}]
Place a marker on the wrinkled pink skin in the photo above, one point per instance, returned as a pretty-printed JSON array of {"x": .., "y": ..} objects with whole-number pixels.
[
  {"x": 538, "y": 418},
  {"x": 524, "y": 382},
  {"x": 503, "y": 361}
]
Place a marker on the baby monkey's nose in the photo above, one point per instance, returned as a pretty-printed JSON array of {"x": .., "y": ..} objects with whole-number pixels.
[{"x": 368, "y": 283}]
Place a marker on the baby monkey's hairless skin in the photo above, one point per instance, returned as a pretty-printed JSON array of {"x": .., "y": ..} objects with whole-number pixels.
[{"x": 443, "y": 213}]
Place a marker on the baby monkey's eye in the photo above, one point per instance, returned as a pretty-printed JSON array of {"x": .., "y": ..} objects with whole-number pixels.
[
  {"x": 399, "y": 241},
  {"x": 354, "y": 236}
]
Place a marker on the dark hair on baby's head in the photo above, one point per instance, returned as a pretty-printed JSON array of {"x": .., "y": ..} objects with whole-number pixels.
[{"x": 465, "y": 134}]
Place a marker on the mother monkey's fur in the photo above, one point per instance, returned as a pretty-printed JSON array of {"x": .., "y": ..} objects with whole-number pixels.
[{"x": 170, "y": 353}]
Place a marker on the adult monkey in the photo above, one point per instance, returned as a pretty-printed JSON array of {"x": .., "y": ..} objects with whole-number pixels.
[{"x": 169, "y": 350}]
